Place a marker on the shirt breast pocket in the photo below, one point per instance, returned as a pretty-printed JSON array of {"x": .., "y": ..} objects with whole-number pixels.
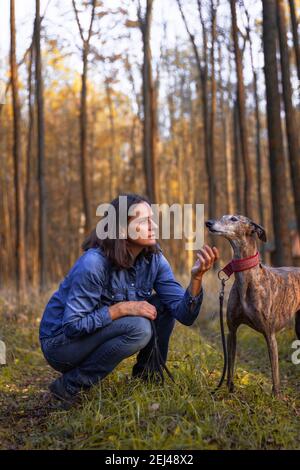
[
  {"x": 111, "y": 296},
  {"x": 144, "y": 293}
]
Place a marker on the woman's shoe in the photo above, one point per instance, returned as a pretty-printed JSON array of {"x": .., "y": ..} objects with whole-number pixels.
[{"x": 59, "y": 392}]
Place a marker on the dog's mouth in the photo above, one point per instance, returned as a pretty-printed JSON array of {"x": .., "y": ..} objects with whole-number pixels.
[
  {"x": 217, "y": 232},
  {"x": 220, "y": 232}
]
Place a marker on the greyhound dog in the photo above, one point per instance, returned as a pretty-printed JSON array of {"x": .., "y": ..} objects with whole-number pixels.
[{"x": 262, "y": 297}]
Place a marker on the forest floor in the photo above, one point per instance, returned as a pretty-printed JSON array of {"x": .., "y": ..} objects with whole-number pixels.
[{"x": 125, "y": 413}]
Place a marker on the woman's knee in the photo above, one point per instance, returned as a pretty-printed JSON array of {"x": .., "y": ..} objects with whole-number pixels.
[{"x": 140, "y": 330}]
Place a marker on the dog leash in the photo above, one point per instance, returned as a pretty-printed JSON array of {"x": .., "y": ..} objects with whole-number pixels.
[
  {"x": 221, "y": 316},
  {"x": 234, "y": 266}
]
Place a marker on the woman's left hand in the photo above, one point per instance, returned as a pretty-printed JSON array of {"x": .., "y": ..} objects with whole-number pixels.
[{"x": 206, "y": 258}]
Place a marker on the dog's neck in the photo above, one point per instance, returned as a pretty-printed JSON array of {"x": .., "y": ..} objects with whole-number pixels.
[{"x": 243, "y": 248}]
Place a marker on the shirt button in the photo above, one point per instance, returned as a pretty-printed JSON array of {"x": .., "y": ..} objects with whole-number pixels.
[{"x": 132, "y": 283}]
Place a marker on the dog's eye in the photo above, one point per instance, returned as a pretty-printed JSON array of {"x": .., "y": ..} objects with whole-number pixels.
[{"x": 234, "y": 219}]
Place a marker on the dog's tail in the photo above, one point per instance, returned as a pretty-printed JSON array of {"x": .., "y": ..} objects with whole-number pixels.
[{"x": 297, "y": 324}]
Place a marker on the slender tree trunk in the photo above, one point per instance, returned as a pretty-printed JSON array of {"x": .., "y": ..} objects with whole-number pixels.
[
  {"x": 18, "y": 170},
  {"x": 41, "y": 151},
  {"x": 29, "y": 150},
  {"x": 202, "y": 72},
  {"x": 154, "y": 134},
  {"x": 7, "y": 249},
  {"x": 290, "y": 115},
  {"x": 149, "y": 120},
  {"x": 86, "y": 193},
  {"x": 259, "y": 163},
  {"x": 282, "y": 255},
  {"x": 32, "y": 245},
  {"x": 239, "y": 176},
  {"x": 213, "y": 107},
  {"x": 112, "y": 147},
  {"x": 249, "y": 186},
  {"x": 203, "y": 79},
  {"x": 295, "y": 35},
  {"x": 225, "y": 114},
  {"x": 134, "y": 134},
  {"x": 85, "y": 183},
  {"x": 203, "y": 86}
]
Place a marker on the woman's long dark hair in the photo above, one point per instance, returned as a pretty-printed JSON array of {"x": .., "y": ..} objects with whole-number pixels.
[{"x": 117, "y": 249}]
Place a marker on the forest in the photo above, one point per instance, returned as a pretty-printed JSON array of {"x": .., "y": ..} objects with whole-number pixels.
[
  {"x": 211, "y": 117},
  {"x": 184, "y": 101}
]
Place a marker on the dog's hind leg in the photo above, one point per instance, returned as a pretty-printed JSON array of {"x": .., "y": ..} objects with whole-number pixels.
[
  {"x": 231, "y": 350},
  {"x": 297, "y": 324},
  {"x": 273, "y": 354}
]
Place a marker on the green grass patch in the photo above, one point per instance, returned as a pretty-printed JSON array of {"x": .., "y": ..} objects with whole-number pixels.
[{"x": 125, "y": 413}]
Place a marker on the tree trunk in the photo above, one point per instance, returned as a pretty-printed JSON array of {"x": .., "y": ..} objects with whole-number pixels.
[
  {"x": 202, "y": 76},
  {"x": 112, "y": 147},
  {"x": 225, "y": 116},
  {"x": 86, "y": 193},
  {"x": 259, "y": 163},
  {"x": 212, "y": 120},
  {"x": 18, "y": 170},
  {"x": 29, "y": 149},
  {"x": 295, "y": 35},
  {"x": 85, "y": 183},
  {"x": 203, "y": 79},
  {"x": 290, "y": 115},
  {"x": 41, "y": 151},
  {"x": 134, "y": 134},
  {"x": 7, "y": 248},
  {"x": 282, "y": 253},
  {"x": 239, "y": 173},
  {"x": 249, "y": 185},
  {"x": 149, "y": 120}
]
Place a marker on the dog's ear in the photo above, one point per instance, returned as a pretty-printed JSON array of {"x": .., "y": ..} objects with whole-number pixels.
[{"x": 261, "y": 233}]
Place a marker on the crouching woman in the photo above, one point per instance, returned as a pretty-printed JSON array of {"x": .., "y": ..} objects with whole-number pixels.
[{"x": 102, "y": 310}]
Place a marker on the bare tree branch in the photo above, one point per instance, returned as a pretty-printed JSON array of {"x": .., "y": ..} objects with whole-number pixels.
[
  {"x": 92, "y": 20},
  {"x": 78, "y": 21}
]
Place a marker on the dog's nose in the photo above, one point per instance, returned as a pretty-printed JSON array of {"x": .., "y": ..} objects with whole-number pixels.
[{"x": 209, "y": 223}]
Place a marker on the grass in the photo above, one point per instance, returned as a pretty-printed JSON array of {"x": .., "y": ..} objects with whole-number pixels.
[{"x": 124, "y": 413}]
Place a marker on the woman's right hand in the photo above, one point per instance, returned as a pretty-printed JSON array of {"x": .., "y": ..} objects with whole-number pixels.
[{"x": 133, "y": 308}]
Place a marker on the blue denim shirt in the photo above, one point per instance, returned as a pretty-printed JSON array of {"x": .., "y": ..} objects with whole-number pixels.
[{"x": 80, "y": 305}]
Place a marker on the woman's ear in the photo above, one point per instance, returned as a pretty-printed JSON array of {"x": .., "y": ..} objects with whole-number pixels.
[{"x": 261, "y": 233}]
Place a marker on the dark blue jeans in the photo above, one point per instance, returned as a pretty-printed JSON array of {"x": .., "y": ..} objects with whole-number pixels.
[{"x": 86, "y": 360}]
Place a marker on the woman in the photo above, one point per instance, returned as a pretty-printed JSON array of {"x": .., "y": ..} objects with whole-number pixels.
[{"x": 102, "y": 310}]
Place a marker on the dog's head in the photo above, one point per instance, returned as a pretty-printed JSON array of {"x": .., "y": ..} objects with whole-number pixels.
[{"x": 236, "y": 228}]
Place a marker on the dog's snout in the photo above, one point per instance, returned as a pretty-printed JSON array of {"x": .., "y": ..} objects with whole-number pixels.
[{"x": 209, "y": 223}]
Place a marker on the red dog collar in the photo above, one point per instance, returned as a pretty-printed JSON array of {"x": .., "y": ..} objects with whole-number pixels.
[{"x": 237, "y": 265}]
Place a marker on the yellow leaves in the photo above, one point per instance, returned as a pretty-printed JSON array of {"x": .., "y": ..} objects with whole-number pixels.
[
  {"x": 56, "y": 60},
  {"x": 58, "y": 95},
  {"x": 245, "y": 380}
]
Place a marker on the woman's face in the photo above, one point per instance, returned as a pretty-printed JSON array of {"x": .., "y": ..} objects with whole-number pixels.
[{"x": 141, "y": 226}]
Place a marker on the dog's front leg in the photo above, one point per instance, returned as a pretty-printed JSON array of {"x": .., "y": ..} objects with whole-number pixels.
[
  {"x": 231, "y": 348},
  {"x": 273, "y": 354}
]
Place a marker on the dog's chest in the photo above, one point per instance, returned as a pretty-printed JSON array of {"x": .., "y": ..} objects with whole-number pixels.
[{"x": 266, "y": 303}]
